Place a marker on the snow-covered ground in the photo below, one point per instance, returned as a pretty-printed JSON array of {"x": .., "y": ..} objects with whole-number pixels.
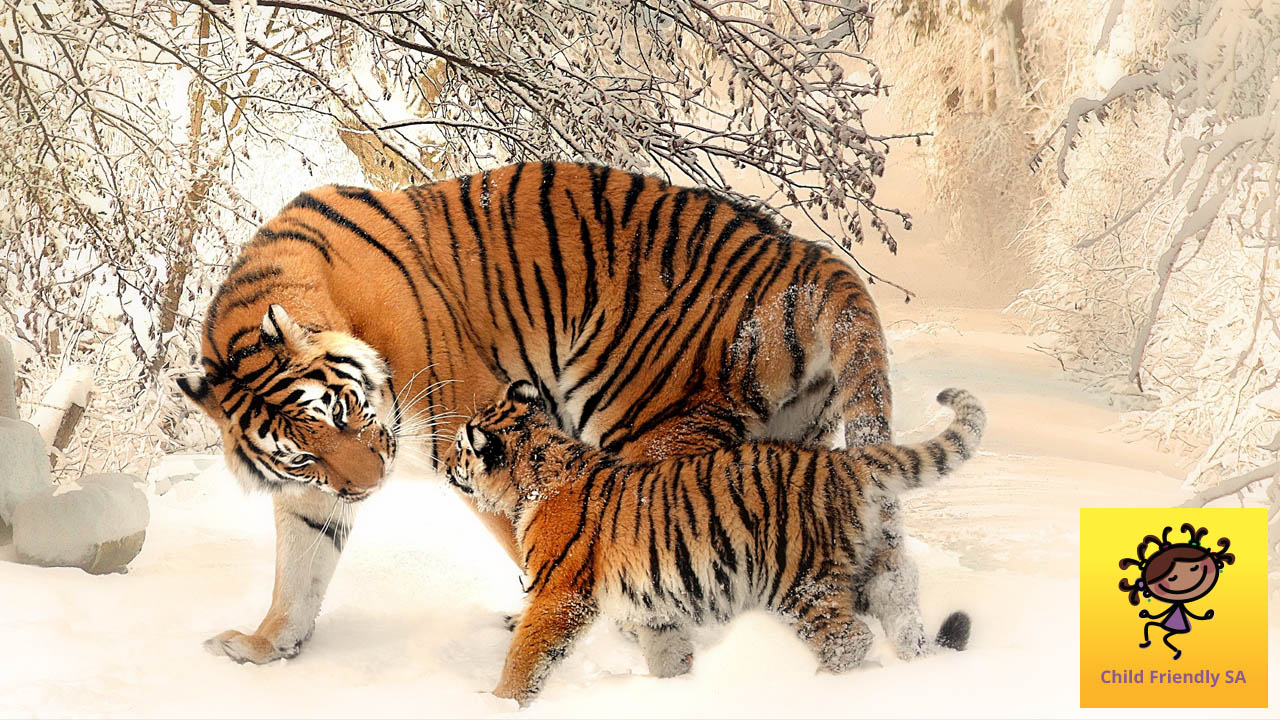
[{"x": 412, "y": 623}]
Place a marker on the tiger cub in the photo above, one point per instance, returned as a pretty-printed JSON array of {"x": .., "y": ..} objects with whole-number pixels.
[{"x": 809, "y": 534}]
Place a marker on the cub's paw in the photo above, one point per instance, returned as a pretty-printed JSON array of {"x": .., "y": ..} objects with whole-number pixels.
[
  {"x": 668, "y": 651},
  {"x": 670, "y": 663},
  {"x": 508, "y": 691},
  {"x": 628, "y": 630},
  {"x": 248, "y": 648}
]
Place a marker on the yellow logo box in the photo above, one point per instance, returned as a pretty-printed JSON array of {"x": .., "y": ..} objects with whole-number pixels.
[{"x": 1197, "y": 635}]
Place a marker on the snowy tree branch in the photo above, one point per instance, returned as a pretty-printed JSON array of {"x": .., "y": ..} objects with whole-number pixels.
[
  {"x": 1232, "y": 486},
  {"x": 761, "y": 89}
]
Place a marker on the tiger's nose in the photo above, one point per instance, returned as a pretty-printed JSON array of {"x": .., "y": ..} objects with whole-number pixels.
[
  {"x": 372, "y": 476},
  {"x": 355, "y": 467}
]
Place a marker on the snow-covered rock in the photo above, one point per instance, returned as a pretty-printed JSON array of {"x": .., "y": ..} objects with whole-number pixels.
[
  {"x": 8, "y": 368},
  {"x": 24, "y": 469},
  {"x": 98, "y": 528}
]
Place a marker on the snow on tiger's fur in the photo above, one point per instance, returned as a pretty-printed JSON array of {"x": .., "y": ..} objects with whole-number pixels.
[{"x": 812, "y": 535}]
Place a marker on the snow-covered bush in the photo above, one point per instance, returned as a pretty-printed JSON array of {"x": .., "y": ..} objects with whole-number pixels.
[
  {"x": 988, "y": 78},
  {"x": 1172, "y": 214},
  {"x": 114, "y": 207},
  {"x": 1154, "y": 268},
  {"x": 1190, "y": 240}
]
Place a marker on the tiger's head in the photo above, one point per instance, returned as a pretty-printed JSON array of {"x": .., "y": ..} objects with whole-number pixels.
[
  {"x": 491, "y": 444},
  {"x": 302, "y": 407}
]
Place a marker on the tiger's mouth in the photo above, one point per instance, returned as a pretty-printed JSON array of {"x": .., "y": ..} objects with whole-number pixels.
[
  {"x": 456, "y": 478},
  {"x": 354, "y": 496}
]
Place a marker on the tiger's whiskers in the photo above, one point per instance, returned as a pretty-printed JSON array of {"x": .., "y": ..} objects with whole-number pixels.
[{"x": 314, "y": 548}]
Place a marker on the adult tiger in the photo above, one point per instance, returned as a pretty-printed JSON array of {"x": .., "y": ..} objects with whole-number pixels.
[{"x": 655, "y": 321}]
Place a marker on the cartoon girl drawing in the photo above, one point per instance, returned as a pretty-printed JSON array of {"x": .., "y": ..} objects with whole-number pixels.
[{"x": 1177, "y": 573}]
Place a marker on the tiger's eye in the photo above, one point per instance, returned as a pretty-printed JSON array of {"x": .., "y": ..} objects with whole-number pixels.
[
  {"x": 339, "y": 413},
  {"x": 300, "y": 460}
]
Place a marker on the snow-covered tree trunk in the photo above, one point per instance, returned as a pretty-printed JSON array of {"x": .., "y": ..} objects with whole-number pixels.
[{"x": 62, "y": 407}]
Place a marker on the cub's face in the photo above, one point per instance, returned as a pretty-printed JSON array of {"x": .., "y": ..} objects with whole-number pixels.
[
  {"x": 302, "y": 408},
  {"x": 478, "y": 470},
  {"x": 488, "y": 446}
]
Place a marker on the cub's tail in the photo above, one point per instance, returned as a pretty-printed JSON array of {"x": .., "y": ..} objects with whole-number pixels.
[
  {"x": 904, "y": 467},
  {"x": 954, "y": 632}
]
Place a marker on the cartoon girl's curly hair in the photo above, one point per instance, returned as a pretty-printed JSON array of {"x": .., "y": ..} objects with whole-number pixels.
[{"x": 1167, "y": 553}]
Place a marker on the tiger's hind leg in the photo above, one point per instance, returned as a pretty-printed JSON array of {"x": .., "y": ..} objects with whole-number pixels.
[
  {"x": 706, "y": 426},
  {"x": 667, "y": 648},
  {"x": 860, "y": 356},
  {"x": 866, "y": 400},
  {"x": 892, "y": 596},
  {"x": 820, "y": 610}
]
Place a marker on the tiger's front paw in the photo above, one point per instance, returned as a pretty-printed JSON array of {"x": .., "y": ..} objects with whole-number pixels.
[{"x": 243, "y": 648}]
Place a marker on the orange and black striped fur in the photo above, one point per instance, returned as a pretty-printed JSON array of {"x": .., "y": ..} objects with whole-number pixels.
[
  {"x": 655, "y": 320},
  {"x": 810, "y": 534}
]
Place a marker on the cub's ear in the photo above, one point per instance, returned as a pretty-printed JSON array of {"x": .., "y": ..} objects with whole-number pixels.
[
  {"x": 487, "y": 446},
  {"x": 280, "y": 331},
  {"x": 523, "y": 391},
  {"x": 196, "y": 388}
]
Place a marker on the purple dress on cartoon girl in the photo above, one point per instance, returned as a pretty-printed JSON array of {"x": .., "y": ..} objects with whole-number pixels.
[{"x": 1177, "y": 620}]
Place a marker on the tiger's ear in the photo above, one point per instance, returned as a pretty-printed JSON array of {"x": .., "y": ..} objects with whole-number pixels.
[
  {"x": 487, "y": 446},
  {"x": 523, "y": 391},
  {"x": 196, "y": 388},
  {"x": 280, "y": 331}
]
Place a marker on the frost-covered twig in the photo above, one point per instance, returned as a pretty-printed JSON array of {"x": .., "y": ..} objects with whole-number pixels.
[
  {"x": 683, "y": 88},
  {"x": 1232, "y": 486}
]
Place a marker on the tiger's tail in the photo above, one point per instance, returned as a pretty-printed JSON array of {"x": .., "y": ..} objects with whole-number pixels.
[{"x": 905, "y": 467}]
